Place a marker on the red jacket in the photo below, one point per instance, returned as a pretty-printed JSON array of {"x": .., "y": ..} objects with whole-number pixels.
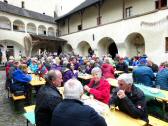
[
  {"x": 102, "y": 91},
  {"x": 108, "y": 70}
]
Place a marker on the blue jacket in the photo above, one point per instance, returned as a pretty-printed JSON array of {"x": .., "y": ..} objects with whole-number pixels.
[
  {"x": 162, "y": 79},
  {"x": 143, "y": 74},
  {"x": 33, "y": 67},
  {"x": 20, "y": 76},
  {"x": 75, "y": 113},
  {"x": 20, "y": 80}
]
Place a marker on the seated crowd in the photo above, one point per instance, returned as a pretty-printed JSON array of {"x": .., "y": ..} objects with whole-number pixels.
[{"x": 63, "y": 70}]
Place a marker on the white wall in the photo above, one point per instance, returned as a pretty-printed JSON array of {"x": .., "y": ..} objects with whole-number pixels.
[
  {"x": 140, "y": 6},
  {"x": 154, "y": 37},
  {"x": 90, "y": 17},
  {"x": 111, "y": 10},
  {"x": 75, "y": 20}
]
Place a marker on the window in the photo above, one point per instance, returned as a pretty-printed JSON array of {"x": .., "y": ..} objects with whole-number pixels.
[
  {"x": 156, "y": 4},
  {"x": 5, "y": 1},
  {"x": 166, "y": 45},
  {"x": 15, "y": 27},
  {"x": 128, "y": 12},
  {"x": 160, "y": 4},
  {"x": 79, "y": 27},
  {"x": 63, "y": 23},
  {"x": 23, "y": 4},
  {"x": 163, "y": 3},
  {"x": 99, "y": 20},
  {"x": 44, "y": 32}
]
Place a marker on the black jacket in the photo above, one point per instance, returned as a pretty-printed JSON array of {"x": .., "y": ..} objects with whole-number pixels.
[
  {"x": 133, "y": 104},
  {"x": 122, "y": 67},
  {"x": 74, "y": 113},
  {"x": 47, "y": 99}
]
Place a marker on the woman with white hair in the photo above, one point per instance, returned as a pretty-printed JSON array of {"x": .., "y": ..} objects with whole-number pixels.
[
  {"x": 98, "y": 86},
  {"x": 129, "y": 98},
  {"x": 71, "y": 111}
]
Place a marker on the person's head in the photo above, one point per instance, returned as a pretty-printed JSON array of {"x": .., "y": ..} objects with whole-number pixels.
[
  {"x": 125, "y": 81},
  {"x": 54, "y": 77},
  {"x": 16, "y": 64},
  {"x": 73, "y": 89},
  {"x": 142, "y": 61},
  {"x": 121, "y": 60},
  {"x": 149, "y": 62},
  {"x": 166, "y": 65},
  {"x": 106, "y": 60},
  {"x": 23, "y": 67},
  {"x": 57, "y": 60},
  {"x": 96, "y": 73}
]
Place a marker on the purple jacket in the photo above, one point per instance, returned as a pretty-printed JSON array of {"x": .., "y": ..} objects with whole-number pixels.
[
  {"x": 69, "y": 74},
  {"x": 56, "y": 67}
]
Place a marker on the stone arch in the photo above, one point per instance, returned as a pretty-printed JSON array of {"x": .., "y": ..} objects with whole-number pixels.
[
  {"x": 135, "y": 44},
  {"x": 31, "y": 28},
  {"x": 67, "y": 48},
  {"x": 14, "y": 48},
  {"x": 106, "y": 46},
  {"x": 83, "y": 48},
  {"x": 51, "y": 31},
  {"x": 19, "y": 25},
  {"x": 42, "y": 30},
  {"x": 5, "y": 23}
]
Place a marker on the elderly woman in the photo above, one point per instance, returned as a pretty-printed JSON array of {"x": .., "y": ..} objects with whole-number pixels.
[
  {"x": 98, "y": 86},
  {"x": 107, "y": 69}
]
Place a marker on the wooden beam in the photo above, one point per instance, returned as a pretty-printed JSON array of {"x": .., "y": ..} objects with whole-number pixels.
[
  {"x": 123, "y": 9},
  {"x": 68, "y": 25}
]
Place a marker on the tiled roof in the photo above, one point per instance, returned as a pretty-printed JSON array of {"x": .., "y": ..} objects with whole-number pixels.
[
  {"x": 4, "y": 7},
  {"x": 83, "y": 5}
]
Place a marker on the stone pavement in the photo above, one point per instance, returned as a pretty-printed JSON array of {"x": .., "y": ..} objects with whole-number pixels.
[{"x": 8, "y": 115}]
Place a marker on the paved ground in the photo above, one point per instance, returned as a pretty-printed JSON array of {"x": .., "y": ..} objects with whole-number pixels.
[{"x": 9, "y": 116}]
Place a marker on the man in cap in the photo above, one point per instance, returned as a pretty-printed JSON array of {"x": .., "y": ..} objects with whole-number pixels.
[{"x": 143, "y": 74}]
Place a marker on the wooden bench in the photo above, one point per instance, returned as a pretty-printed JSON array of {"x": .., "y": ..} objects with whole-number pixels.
[
  {"x": 16, "y": 98},
  {"x": 153, "y": 121},
  {"x": 30, "y": 108}
]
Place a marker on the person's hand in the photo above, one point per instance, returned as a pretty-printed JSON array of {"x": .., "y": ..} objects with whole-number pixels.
[
  {"x": 86, "y": 88},
  {"x": 121, "y": 94}
]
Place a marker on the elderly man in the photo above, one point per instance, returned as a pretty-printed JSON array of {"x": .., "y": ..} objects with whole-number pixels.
[
  {"x": 143, "y": 74},
  {"x": 72, "y": 111},
  {"x": 162, "y": 78},
  {"x": 129, "y": 98},
  {"x": 48, "y": 98},
  {"x": 98, "y": 86}
]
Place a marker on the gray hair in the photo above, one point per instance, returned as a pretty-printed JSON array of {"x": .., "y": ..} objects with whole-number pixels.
[
  {"x": 51, "y": 75},
  {"x": 127, "y": 78},
  {"x": 97, "y": 70},
  {"x": 73, "y": 89}
]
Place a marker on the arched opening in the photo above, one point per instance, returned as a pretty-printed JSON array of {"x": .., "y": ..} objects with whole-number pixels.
[
  {"x": 31, "y": 28},
  {"x": 42, "y": 30},
  {"x": 51, "y": 31},
  {"x": 11, "y": 48},
  {"x": 135, "y": 44},
  {"x": 18, "y": 26},
  {"x": 107, "y": 46},
  {"x": 67, "y": 48},
  {"x": 5, "y": 23},
  {"x": 48, "y": 46},
  {"x": 83, "y": 48}
]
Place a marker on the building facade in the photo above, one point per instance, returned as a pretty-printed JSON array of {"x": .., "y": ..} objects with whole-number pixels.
[
  {"x": 23, "y": 32},
  {"x": 126, "y": 27}
]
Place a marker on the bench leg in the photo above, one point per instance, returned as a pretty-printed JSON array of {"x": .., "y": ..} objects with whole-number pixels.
[{"x": 27, "y": 122}]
